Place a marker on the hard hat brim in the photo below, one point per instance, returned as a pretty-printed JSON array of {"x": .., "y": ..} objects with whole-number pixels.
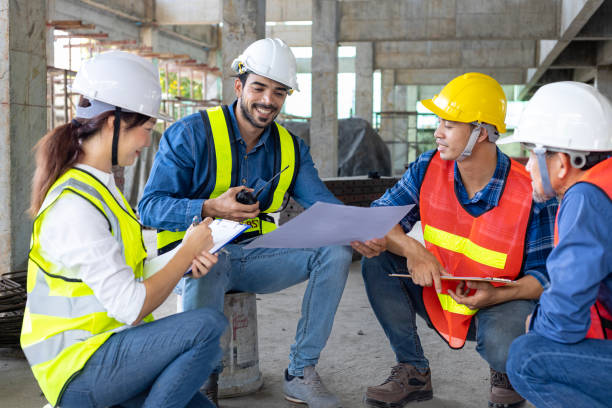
[{"x": 510, "y": 139}]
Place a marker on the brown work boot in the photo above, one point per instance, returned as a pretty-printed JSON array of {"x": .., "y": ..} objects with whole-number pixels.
[
  {"x": 502, "y": 394},
  {"x": 405, "y": 384},
  {"x": 211, "y": 388}
]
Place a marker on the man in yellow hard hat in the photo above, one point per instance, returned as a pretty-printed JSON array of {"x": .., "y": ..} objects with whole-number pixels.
[{"x": 479, "y": 220}]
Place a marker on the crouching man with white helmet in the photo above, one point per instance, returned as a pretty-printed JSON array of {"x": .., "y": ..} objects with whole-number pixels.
[
  {"x": 565, "y": 358},
  {"x": 205, "y": 160}
]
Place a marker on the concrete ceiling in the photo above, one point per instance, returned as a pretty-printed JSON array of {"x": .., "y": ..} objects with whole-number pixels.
[{"x": 530, "y": 42}]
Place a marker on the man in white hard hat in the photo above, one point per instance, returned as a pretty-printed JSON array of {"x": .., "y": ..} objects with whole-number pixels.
[
  {"x": 205, "y": 160},
  {"x": 566, "y": 356}
]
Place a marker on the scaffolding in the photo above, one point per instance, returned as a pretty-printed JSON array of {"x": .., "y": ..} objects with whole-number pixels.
[{"x": 198, "y": 84}]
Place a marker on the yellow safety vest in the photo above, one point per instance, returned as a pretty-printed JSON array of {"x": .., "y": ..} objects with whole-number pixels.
[
  {"x": 63, "y": 323},
  {"x": 222, "y": 156}
]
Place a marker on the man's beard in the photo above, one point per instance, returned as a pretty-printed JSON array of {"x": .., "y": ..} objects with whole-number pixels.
[
  {"x": 250, "y": 117},
  {"x": 540, "y": 197}
]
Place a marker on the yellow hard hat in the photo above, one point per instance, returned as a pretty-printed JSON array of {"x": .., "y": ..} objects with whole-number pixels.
[{"x": 471, "y": 97}]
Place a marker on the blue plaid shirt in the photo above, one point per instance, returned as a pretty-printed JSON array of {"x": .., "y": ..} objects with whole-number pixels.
[{"x": 541, "y": 223}]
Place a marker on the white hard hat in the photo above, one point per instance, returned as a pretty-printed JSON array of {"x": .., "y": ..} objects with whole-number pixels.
[
  {"x": 270, "y": 58},
  {"x": 121, "y": 79},
  {"x": 569, "y": 116}
]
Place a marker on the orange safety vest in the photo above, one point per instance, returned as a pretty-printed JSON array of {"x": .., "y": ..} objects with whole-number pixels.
[
  {"x": 600, "y": 176},
  {"x": 490, "y": 245}
]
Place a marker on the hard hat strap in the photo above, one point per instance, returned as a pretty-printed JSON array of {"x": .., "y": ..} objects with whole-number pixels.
[
  {"x": 540, "y": 153},
  {"x": 471, "y": 143},
  {"x": 116, "y": 129}
]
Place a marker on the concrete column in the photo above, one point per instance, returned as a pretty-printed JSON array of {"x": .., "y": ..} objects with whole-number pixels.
[
  {"x": 603, "y": 81},
  {"x": 364, "y": 89},
  {"x": 412, "y": 96},
  {"x": 23, "y": 120},
  {"x": 399, "y": 151},
  {"x": 244, "y": 21},
  {"x": 387, "y": 103},
  {"x": 324, "y": 121}
]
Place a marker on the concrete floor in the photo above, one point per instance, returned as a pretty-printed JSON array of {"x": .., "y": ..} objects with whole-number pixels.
[{"x": 357, "y": 355}]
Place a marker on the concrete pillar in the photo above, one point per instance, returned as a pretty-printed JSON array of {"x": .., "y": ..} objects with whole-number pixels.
[
  {"x": 412, "y": 96},
  {"x": 23, "y": 121},
  {"x": 399, "y": 151},
  {"x": 244, "y": 21},
  {"x": 324, "y": 121},
  {"x": 603, "y": 81},
  {"x": 364, "y": 89}
]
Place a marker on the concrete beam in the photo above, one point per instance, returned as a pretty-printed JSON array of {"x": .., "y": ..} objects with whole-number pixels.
[
  {"x": 505, "y": 76},
  {"x": 23, "y": 121},
  {"x": 105, "y": 21},
  {"x": 574, "y": 15},
  {"x": 584, "y": 74},
  {"x": 603, "y": 81},
  {"x": 345, "y": 65},
  {"x": 181, "y": 12},
  {"x": 455, "y": 54},
  {"x": 293, "y": 35},
  {"x": 604, "y": 53},
  {"x": 173, "y": 12},
  {"x": 598, "y": 27},
  {"x": 130, "y": 10},
  {"x": 390, "y": 20},
  {"x": 288, "y": 10},
  {"x": 578, "y": 54}
]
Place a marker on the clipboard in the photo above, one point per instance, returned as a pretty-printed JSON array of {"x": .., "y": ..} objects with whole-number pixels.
[
  {"x": 464, "y": 278},
  {"x": 223, "y": 232}
]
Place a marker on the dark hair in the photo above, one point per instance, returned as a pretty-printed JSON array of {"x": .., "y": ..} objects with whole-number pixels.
[
  {"x": 61, "y": 148},
  {"x": 243, "y": 77}
]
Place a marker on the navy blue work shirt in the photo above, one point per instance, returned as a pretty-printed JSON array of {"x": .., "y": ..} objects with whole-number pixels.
[
  {"x": 580, "y": 266},
  {"x": 540, "y": 229},
  {"x": 181, "y": 167}
]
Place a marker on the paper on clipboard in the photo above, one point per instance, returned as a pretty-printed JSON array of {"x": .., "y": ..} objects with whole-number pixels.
[
  {"x": 463, "y": 278},
  {"x": 223, "y": 232}
]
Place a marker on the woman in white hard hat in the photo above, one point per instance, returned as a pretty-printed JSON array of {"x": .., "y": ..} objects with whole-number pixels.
[
  {"x": 566, "y": 356},
  {"x": 87, "y": 296}
]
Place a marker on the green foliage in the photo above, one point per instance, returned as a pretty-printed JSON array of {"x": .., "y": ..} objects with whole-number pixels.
[{"x": 173, "y": 88}]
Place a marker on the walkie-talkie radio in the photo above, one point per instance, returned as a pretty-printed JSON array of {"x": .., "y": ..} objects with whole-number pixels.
[{"x": 244, "y": 196}]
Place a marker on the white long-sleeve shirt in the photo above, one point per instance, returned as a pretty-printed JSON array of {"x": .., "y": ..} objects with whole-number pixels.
[{"x": 75, "y": 236}]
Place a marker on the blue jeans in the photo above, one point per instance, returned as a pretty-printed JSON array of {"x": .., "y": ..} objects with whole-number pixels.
[
  {"x": 396, "y": 301},
  {"x": 265, "y": 270},
  {"x": 158, "y": 364},
  {"x": 551, "y": 374}
]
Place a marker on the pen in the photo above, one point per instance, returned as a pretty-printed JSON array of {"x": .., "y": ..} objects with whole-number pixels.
[{"x": 195, "y": 221}]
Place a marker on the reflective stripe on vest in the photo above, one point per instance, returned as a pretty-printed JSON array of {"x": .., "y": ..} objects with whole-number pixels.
[
  {"x": 218, "y": 126},
  {"x": 490, "y": 245},
  {"x": 600, "y": 176},
  {"x": 64, "y": 323}
]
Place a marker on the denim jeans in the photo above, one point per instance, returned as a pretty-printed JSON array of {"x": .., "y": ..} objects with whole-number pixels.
[
  {"x": 551, "y": 374},
  {"x": 265, "y": 270},
  {"x": 396, "y": 301},
  {"x": 158, "y": 364}
]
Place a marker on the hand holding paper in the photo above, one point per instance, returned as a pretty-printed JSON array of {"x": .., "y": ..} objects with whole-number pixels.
[
  {"x": 326, "y": 224},
  {"x": 223, "y": 232}
]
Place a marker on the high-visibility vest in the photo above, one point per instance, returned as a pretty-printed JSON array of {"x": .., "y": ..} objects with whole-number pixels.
[
  {"x": 224, "y": 162},
  {"x": 63, "y": 323},
  {"x": 490, "y": 245},
  {"x": 600, "y": 176}
]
